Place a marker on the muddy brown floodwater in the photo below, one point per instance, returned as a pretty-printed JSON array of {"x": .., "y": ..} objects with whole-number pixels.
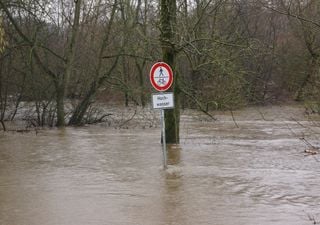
[{"x": 219, "y": 174}]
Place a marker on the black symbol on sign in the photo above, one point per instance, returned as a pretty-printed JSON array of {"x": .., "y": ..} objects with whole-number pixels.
[{"x": 162, "y": 78}]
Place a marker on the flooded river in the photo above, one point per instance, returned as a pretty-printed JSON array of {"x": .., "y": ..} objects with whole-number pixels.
[{"x": 249, "y": 171}]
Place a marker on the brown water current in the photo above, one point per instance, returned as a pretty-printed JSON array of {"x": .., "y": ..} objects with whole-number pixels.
[{"x": 220, "y": 174}]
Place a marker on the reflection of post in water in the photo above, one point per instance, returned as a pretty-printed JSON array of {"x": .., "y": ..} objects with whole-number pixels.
[
  {"x": 62, "y": 132},
  {"x": 174, "y": 195},
  {"x": 173, "y": 159},
  {"x": 174, "y": 154}
]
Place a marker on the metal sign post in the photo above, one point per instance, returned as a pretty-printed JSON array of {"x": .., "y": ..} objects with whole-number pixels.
[
  {"x": 161, "y": 78},
  {"x": 162, "y": 101},
  {"x": 163, "y": 136}
]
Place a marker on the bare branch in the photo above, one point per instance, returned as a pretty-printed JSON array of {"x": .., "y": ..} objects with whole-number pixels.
[
  {"x": 128, "y": 55},
  {"x": 198, "y": 103},
  {"x": 288, "y": 13}
]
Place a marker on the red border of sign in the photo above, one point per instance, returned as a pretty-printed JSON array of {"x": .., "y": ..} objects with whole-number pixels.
[{"x": 151, "y": 75}]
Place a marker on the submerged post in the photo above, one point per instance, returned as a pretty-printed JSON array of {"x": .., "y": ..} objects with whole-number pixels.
[
  {"x": 161, "y": 78},
  {"x": 163, "y": 136}
]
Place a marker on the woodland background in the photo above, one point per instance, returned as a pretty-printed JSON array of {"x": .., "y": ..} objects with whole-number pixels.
[{"x": 62, "y": 58}]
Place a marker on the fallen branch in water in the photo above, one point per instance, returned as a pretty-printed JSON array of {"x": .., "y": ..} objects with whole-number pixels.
[
  {"x": 312, "y": 219},
  {"x": 234, "y": 120},
  {"x": 308, "y": 143},
  {"x": 311, "y": 150},
  {"x": 3, "y": 125},
  {"x": 308, "y": 128}
]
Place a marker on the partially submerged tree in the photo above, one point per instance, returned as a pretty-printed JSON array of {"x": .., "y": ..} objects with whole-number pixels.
[
  {"x": 168, "y": 31},
  {"x": 3, "y": 93},
  {"x": 100, "y": 73},
  {"x": 60, "y": 74}
]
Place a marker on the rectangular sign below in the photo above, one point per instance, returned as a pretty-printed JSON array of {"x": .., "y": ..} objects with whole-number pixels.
[{"x": 163, "y": 100}]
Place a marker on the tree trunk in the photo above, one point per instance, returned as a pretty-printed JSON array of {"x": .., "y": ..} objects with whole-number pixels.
[
  {"x": 141, "y": 83},
  {"x": 168, "y": 24},
  {"x": 3, "y": 100},
  {"x": 78, "y": 114},
  {"x": 125, "y": 78},
  {"x": 314, "y": 67},
  {"x": 81, "y": 109},
  {"x": 60, "y": 89},
  {"x": 61, "y": 86}
]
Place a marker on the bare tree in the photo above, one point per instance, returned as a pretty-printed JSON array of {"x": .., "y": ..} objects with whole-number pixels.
[
  {"x": 303, "y": 17},
  {"x": 100, "y": 73},
  {"x": 60, "y": 76},
  {"x": 2, "y": 45}
]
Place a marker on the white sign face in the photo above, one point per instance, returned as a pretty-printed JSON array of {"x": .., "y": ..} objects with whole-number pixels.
[
  {"x": 161, "y": 76},
  {"x": 163, "y": 100}
]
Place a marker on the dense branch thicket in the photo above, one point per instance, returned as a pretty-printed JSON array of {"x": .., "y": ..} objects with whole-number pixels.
[{"x": 61, "y": 56}]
